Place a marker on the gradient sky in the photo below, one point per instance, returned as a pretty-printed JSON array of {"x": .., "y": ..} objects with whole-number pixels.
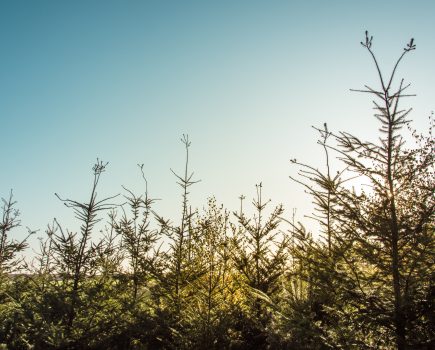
[{"x": 123, "y": 80}]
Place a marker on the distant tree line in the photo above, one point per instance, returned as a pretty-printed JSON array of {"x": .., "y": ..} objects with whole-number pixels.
[{"x": 222, "y": 280}]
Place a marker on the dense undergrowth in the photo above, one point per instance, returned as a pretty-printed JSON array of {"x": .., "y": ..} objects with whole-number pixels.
[{"x": 221, "y": 280}]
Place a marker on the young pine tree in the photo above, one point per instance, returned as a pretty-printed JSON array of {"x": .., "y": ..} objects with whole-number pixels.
[
  {"x": 260, "y": 256},
  {"x": 384, "y": 235}
]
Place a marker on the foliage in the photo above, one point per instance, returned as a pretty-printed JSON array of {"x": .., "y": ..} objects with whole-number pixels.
[{"x": 364, "y": 279}]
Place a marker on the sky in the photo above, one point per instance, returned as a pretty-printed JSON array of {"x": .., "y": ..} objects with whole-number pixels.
[{"x": 246, "y": 80}]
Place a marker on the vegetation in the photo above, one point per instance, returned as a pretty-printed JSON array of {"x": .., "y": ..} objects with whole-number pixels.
[{"x": 221, "y": 280}]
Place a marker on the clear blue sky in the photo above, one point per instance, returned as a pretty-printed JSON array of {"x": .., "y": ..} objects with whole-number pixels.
[{"x": 123, "y": 80}]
